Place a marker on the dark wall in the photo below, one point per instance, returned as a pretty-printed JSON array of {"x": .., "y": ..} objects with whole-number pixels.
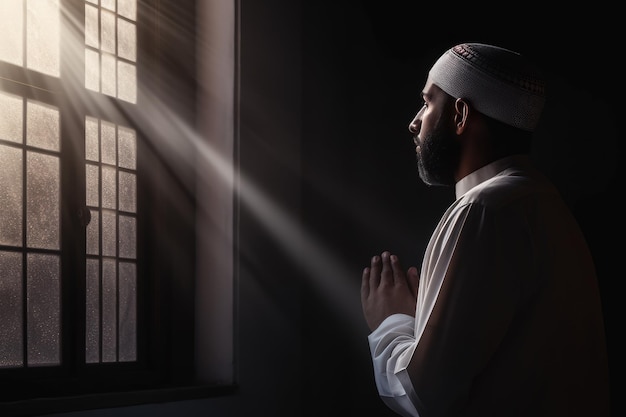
[{"x": 361, "y": 191}]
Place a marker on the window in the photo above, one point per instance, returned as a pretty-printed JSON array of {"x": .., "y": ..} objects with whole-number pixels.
[
  {"x": 111, "y": 48},
  {"x": 30, "y": 171},
  {"x": 97, "y": 232},
  {"x": 111, "y": 278}
]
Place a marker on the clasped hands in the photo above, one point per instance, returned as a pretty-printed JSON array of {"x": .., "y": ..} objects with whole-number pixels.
[{"x": 386, "y": 289}]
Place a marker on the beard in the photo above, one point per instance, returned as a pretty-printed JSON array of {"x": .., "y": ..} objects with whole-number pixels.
[{"x": 439, "y": 156}]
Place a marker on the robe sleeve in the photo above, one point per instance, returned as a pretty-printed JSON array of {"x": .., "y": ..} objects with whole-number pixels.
[{"x": 389, "y": 344}]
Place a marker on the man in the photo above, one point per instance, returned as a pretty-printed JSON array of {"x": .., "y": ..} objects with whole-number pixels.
[{"x": 504, "y": 318}]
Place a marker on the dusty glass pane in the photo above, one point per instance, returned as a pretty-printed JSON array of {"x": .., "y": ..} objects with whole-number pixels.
[
  {"x": 11, "y": 309},
  {"x": 127, "y": 8},
  {"x": 11, "y": 196},
  {"x": 42, "y": 36},
  {"x": 42, "y": 126},
  {"x": 127, "y": 150},
  {"x": 107, "y": 32},
  {"x": 128, "y": 237},
  {"x": 92, "y": 152},
  {"x": 108, "y": 143},
  {"x": 109, "y": 311},
  {"x": 93, "y": 233},
  {"x": 92, "y": 70},
  {"x": 42, "y": 201},
  {"x": 109, "y": 188},
  {"x": 12, "y": 24},
  {"x": 43, "y": 310},
  {"x": 109, "y": 235},
  {"x": 109, "y": 4},
  {"x": 127, "y": 89},
  {"x": 128, "y": 312},
  {"x": 11, "y": 120},
  {"x": 108, "y": 75},
  {"x": 128, "y": 192},
  {"x": 93, "y": 196},
  {"x": 127, "y": 40},
  {"x": 92, "y": 312},
  {"x": 91, "y": 26}
]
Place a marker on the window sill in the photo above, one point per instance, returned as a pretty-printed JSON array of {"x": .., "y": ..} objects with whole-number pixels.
[{"x": 40, "y": 406}]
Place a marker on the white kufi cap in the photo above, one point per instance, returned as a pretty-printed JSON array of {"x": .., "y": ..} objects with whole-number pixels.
[{"x": 498, "y": 82}]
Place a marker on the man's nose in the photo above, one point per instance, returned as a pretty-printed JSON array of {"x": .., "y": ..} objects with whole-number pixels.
[{"x": 414, "y": 126}]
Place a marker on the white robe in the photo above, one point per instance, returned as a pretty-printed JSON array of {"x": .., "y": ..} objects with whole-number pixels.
[{"x": 508, "y": 318}]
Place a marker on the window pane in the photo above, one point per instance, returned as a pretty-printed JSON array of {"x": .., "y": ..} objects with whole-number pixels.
[
  {"x": 108, "y": 75},
  {"x": 93, "y": 234},
  {"x": 12, "y": 24},
  {"x": 127, "y": 40},
  {"x": 11, "y": 196},
  {"x": 127, "y": 149},
  {"x": 43, "y": 298},
  {"x": 108, "y": 4},
  {"x": 11, "y": 120},
  {"x": 108, "y": 149},
  {"x": 92, "y": 147},
  {"x": 42, "y": 126},
  {"x": 127, "y": 237},
  {"x": 109, "y": 311},
  {"x": 128, "y": 9},
  {"x": 107, "y": 32},
  {"x": 92, "y": 70},
  {"x": 127, "y": 75},
  {"x": 42, "y": 201},
  {"x": 109, "y": 235},
  {"x": 11, "y": 309},
  {"x": 128, "y": 192},
  {"x": 92, "y": 310},
  {"x": 109, "y": 188},
  {"x": 128, "y": 312},
  {"x": 43, "y": 29},
  {"x": 92, "y": 37},
  {"x": 93, "y": 179}
]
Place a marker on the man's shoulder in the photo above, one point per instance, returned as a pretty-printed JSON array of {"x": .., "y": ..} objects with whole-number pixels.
[{"x": 509, "y": 188}]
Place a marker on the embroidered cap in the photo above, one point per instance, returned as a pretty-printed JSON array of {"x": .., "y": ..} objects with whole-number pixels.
[{"x": 498, "y": 82}]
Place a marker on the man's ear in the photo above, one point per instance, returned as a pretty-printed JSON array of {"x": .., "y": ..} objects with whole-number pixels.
[{"x": 461, "y": 114}]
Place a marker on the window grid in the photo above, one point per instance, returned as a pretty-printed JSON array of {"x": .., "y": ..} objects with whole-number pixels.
[
  {"x": 111, "y": 48},
  {"x": 30, "y": 248},
  {"x": 110, "y": 152},
  {"x": 30, "y": 233}
]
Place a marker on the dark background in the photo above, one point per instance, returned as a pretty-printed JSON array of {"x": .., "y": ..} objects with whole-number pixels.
[{"x": 327, "y": 90}]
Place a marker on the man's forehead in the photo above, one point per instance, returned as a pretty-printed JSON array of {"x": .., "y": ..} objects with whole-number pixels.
[{"x": 430, "y": 89}]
